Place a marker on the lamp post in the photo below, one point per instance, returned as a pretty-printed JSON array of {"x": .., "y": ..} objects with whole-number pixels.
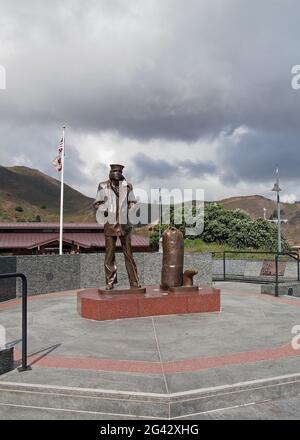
[
  {"x": 277, "y": 189},
  {"x": 160, "y": 223}
]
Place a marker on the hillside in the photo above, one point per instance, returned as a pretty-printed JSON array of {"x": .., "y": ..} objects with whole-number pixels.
[
  {"x": 254, "y": 205},
  {"x": 34, "y": 193}
]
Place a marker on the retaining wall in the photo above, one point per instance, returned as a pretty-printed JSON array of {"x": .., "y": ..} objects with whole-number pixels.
[{"x": 56, "y": 273}]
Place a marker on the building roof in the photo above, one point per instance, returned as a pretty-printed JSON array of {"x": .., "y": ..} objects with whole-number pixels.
[
  {"x": 41, "y": 225},
  {"x": 30, "y": 240}
]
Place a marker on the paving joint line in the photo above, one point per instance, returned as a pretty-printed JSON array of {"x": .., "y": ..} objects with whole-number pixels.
[{"x": 160, "y": 356}]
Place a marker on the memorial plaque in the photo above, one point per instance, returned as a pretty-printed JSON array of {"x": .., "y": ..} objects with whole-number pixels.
[{"x": 269, "y": 268}]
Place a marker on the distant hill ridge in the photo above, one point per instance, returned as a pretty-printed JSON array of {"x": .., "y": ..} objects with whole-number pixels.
[
  {"x": 37, "y": 196},
  {"x": 254, "y": 206}
]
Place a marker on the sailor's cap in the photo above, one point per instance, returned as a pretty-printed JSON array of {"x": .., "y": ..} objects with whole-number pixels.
[{"x": 117, "y": 167}]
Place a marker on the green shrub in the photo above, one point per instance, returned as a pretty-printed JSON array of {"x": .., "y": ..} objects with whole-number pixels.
[{"x": 234, "y": 228}]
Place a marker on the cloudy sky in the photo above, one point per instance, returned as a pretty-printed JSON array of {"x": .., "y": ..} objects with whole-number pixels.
[{"x": 185, "y": 93}]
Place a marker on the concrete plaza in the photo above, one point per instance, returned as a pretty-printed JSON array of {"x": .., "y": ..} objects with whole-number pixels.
[{"x": 233, "y": 364}]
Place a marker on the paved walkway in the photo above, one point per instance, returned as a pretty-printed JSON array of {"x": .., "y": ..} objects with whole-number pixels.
[{"x": 249, "y": 340}]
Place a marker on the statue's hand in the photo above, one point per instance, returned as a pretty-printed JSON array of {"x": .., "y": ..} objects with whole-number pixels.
[{"x": 96, "y": 205}]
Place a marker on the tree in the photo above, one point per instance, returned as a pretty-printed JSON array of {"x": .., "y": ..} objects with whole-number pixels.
[{"x": 234, "y": 228}]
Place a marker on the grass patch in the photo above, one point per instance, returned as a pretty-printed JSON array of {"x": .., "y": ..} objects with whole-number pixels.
[{"x": 199, "y": 245}]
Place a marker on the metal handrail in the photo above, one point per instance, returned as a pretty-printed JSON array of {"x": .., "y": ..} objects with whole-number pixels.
[
  {"x": 276, "y": 257},
  {"x": 24, "y": 314}
]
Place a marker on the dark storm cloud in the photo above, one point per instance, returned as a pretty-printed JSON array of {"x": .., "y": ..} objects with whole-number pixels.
[
  {"x": 169, "y": 70},
  {"x": 212, "y": 65},
  {"x": 255, "y": 156},
  {"x": 163, "y": 169}
]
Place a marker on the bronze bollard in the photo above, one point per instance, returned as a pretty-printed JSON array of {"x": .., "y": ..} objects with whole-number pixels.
[{"x": 173, "y": 256}]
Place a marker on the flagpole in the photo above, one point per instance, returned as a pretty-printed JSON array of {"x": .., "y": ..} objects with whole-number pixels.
[{"x": 62, "y": 196}]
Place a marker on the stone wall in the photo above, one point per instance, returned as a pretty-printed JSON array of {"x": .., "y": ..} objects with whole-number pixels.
[
  {"x": 53, "y": 273},
  {"x": 8, "y": 287},
  {"x": 287, "y": 288},
  {"x": 6, "y": 360},
  {"x": 56, "y": 273}
]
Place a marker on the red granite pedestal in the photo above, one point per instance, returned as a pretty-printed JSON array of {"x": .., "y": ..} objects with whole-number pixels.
[{"x": 155, "y": 302}]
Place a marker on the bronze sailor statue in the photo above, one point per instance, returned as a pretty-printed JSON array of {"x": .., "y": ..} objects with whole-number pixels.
[{"x": 114, "y": 200}]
